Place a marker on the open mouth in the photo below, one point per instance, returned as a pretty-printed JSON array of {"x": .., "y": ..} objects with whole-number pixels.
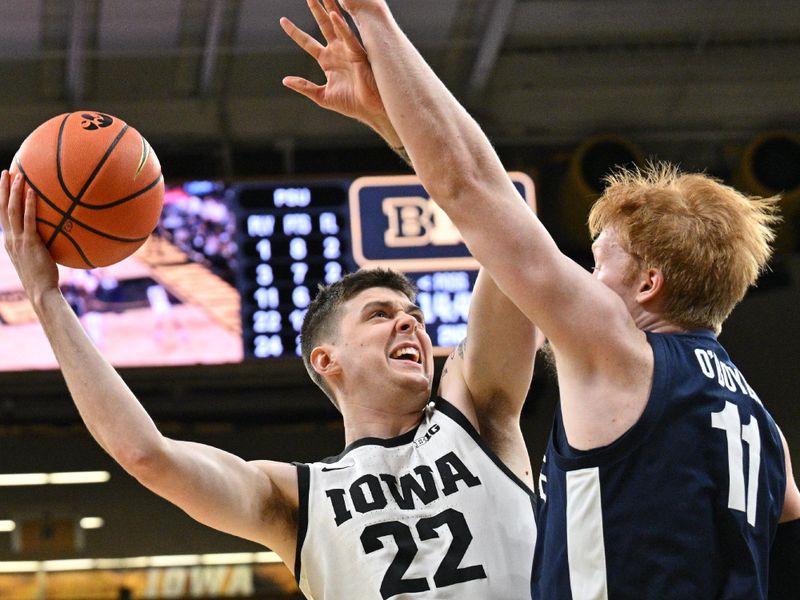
[{"x": 407, "y": 353}]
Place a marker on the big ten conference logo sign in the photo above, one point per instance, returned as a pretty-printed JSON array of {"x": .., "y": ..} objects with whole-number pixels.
[{"x": 394, "y": 223}]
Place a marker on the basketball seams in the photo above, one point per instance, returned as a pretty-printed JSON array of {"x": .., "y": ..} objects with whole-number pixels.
[
  {"x": 71, "y": 240},
  {"x": 102, "y": 161},
  {"x": 76, "y": 199},
  {"x": 41, "y": 195},
  {"x": 132, "y": 196},
  {"x": 59, "y": 171}
]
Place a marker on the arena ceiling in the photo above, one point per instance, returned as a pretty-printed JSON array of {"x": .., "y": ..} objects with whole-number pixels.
[{"x": 532, "y": 71}]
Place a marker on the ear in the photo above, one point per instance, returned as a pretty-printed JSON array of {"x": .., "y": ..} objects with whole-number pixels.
[
  {"x": 323, "y": 360},
  {"x": 651, "y": 286}
]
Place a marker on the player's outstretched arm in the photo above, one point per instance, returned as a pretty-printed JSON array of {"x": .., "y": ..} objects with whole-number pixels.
[
  {"x": 597, "y": 344},
  {"x": 460, "y": 169},
  {"x": 216, "y": 488}
]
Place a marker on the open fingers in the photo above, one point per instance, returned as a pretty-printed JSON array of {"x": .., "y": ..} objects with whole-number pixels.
[
  {"x": 301, "y": 38},
  {"x": 344, "y": 32},
  {"x": 302, "y": 86},
  {"x": 332, "y": 7},
  {"x": 323, "y": 20}
]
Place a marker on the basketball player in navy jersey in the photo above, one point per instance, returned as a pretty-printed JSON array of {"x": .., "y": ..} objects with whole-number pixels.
[
  {"x": 431, "y": 498},
  {"x": 665, "y": 476}
]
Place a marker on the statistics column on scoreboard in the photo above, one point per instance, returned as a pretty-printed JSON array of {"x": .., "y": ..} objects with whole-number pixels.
[{"x": 291, "y": 239}]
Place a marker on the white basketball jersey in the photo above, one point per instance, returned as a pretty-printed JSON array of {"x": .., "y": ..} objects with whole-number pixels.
[{"x": 432, "y": 513}]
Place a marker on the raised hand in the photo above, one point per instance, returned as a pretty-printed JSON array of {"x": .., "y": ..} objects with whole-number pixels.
[
  {"x": 350, "y": 87},
  {"x": 36, "y": 268}
]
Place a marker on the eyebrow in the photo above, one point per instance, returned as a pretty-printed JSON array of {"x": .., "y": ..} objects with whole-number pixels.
[{"x": 409, "y": 308}]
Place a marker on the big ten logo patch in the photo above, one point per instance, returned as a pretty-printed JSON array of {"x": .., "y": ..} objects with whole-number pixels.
[
  {"x": 434, "y": 429},
  {"x": 394, "y": 223}
]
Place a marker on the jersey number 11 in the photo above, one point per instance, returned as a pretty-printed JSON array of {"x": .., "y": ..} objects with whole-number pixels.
[{"x": 728, "y": 420}]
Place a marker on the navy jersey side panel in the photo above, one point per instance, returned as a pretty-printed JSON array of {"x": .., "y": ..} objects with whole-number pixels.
[{"x": 683, "y": 505}]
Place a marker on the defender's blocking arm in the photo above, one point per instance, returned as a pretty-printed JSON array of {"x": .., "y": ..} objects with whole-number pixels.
[{"x": 459, "y": 167}]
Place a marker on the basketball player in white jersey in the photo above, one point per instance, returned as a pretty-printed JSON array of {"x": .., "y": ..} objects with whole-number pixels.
[
  {"x": 647, "y": 490},
  {"x": 432, "y": 496}
]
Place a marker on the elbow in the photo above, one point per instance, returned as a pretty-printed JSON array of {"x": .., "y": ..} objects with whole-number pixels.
[
  {"x": 143, "y": 462},
  {"x": 455, "y": 188},
  {"x": 470, "y": 178}
]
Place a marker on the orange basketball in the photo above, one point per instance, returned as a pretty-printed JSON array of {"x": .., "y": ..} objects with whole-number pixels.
[{"x": 99, "y": 187}]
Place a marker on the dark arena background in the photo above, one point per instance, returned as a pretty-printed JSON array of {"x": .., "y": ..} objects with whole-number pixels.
[{"x": 268, "y": 196}]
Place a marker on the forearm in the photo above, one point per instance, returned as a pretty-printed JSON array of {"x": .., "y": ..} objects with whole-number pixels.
[
  {"x": 456, "y": 163},
  {"x": 111, "y": 412},
  {"x": 500, "y": 350},
  {"x": 381, "y": 125},
  {"x": 449, "y": 151}
]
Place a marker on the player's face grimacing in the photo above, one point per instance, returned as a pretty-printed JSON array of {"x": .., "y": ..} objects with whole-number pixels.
[{"x": 382, "y": 334}]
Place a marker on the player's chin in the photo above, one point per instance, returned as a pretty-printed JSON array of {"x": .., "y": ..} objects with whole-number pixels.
[{"x": 413, "y": 371}]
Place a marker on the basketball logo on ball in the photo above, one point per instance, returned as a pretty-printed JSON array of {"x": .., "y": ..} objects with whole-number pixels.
[
  {"x": 99, "y": 187},
  {"x": 95, "y": 120}
]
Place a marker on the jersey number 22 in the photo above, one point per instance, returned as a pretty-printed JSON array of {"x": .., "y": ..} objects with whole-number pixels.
[{"x": 448, "y": 573}]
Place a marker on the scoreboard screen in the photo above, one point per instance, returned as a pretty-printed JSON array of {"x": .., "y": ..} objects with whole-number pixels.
[{"x": 293, "y": 238}]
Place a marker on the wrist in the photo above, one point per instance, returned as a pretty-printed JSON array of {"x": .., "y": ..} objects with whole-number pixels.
[
  {"x": 383, "y": 126},
  {"x": 359, "y": 9},
  {"x": 43, "y": 299}
]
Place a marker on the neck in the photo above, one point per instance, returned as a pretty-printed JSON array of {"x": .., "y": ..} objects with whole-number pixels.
[
  {"x": 390, "y": 420},
  {"x": 656, "y": 323}
]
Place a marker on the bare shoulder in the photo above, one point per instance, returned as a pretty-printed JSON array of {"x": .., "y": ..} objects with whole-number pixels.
[
  {"x": 453, "y": 387},
  {"x": 283, "y": 477},
  {"x": 604, "y": 397},
  {"x": 500, "y": 430}
]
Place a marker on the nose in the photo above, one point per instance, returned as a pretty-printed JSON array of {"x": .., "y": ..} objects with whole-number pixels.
[{"x": 405, "y": 322}]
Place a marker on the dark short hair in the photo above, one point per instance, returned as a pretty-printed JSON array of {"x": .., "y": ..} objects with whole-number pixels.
[{"x": 321, "y": 323}]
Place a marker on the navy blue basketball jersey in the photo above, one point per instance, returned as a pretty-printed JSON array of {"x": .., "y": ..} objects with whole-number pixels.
[{"x": 684, "y": 505}]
